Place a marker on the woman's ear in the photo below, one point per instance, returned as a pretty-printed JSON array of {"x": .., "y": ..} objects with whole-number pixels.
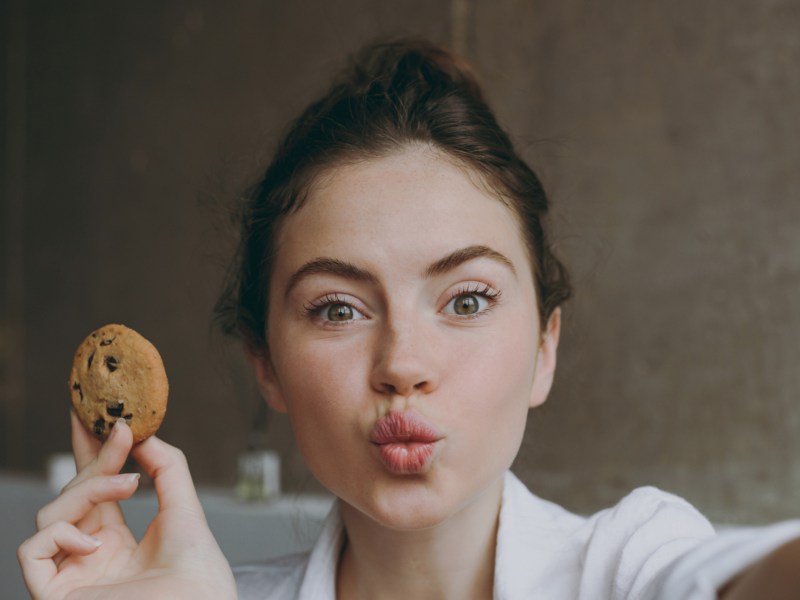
[
  {"x": 546, "y": 359},
  {"x": 265, "y": 378}
]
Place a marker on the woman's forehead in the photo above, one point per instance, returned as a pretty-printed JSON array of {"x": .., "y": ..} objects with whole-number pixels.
[{"x": 413, "y": 202}]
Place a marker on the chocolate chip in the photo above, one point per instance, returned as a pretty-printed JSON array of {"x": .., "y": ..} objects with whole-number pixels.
[
  {"x": 89, "y": 362},
  {"x": 99, "y": 425},
  {"x": 115, "y": 409},
  {"x": 77, "y": 386},
  {"x": 128, "y": 417},
  {"x": 111, "y": 363}
]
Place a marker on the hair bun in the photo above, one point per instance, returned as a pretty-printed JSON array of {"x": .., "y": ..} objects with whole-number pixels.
[{"x": 394, "y": 66}]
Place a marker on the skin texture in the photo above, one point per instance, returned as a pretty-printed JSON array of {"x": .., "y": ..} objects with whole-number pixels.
[{"x": 406, "y": 350}]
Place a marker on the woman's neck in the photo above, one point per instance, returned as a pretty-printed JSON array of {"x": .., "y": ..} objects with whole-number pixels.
[{"x": 452, "y": 560}]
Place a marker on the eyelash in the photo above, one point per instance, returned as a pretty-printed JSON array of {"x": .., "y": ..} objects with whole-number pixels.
[
  {"x": 476, "y": 289},
  {"x": 315, "y": 308}
]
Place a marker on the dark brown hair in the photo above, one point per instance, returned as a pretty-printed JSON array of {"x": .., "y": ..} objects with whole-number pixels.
[{"x": 391, "y": 95}]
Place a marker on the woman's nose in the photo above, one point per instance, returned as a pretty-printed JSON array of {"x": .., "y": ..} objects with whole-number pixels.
[{"x": 404, "y": 362}]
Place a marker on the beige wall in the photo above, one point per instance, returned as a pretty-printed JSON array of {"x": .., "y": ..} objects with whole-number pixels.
[{"x": 668, "y": 134}]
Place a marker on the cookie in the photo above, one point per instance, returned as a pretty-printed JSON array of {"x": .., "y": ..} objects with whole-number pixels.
[{"x": 118, "y": 374}]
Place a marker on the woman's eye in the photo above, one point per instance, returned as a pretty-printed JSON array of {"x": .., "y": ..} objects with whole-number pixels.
[
  {"x": 333, "y": 310},
  {"x": 339, "y": 312},
  {"x": 465, "y": 305}
]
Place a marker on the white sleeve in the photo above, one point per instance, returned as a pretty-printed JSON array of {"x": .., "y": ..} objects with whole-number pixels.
[{"x": 698, "y": 574}]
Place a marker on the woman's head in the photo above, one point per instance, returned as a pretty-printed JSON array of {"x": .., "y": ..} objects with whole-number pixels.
[
  {"x": 396, "y": 288},
  {"x": 404, "y": 337},
  {"x": 391, "y": 97}
]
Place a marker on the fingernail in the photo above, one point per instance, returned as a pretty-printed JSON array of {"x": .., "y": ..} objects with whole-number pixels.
[
  {"x": 125, "y": 478},
  {"x": 117, "y": 426},
  {"x": 92, "y": 541}
]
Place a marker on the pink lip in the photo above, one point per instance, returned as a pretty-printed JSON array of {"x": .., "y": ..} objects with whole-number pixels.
[{"x": 405, "y": 442}]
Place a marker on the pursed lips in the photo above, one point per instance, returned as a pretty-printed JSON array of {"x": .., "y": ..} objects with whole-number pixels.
[{"x": 405, "y": 442}]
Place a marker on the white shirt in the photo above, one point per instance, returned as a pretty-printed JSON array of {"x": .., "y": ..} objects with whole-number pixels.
[{"x": 652, "y": 545}]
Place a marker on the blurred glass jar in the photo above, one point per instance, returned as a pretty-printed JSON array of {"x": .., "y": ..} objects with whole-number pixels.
[{"x": 258, "y": 476}]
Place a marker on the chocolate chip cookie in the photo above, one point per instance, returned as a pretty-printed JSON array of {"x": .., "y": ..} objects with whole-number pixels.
[{"x": 118, "y": 374}]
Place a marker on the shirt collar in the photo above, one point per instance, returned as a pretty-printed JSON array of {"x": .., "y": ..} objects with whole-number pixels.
[
  {"x": 531, "y": 544},
  {"x": 319, "y": 579}
]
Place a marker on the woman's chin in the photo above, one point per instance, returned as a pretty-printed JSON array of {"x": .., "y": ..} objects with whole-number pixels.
[
  {"x": 412, "y": 506},
  {"x": 400, "y": 517},
  {"x": 399, "y": 509}
]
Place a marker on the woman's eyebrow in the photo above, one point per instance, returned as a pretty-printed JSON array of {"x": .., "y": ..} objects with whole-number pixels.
[
  {"x": 341, "y": 268},
  {"x": 462, "y": 255},
  {"x": 329, "y": 266}
]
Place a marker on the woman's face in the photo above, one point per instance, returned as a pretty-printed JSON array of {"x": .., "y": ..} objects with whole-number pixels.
[{"x": 403, "y": 337}]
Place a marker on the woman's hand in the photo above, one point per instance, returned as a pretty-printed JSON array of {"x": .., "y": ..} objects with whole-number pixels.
[{"x": 84, "y": 549}]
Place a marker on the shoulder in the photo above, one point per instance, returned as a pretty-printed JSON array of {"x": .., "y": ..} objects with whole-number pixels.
[
  {"x": 615, "y": 553},
  {"x": 275, "y": 579},
  {"x": 645, "y": 508},
  {"x": 649, "y": 510},
  {"x": 631, "y": 543}
]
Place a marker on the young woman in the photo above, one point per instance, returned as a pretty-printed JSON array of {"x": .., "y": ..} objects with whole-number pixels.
[{"x": 398, "y": 298}]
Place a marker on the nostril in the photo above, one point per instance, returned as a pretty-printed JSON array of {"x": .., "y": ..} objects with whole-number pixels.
[{"x": 402, "y": 390}]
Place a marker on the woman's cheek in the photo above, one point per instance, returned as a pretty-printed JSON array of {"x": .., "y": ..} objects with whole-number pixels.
[
  {"x": 501, "y": 383},
  {"x": 324, "y": 389}
]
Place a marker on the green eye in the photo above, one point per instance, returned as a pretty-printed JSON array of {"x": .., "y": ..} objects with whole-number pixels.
[
  {"x": 334, "y": 310},
  {"x": 471, "y": 301},
  {"x": 339, "y": 312},
  {"x": 466, "y": 304}
]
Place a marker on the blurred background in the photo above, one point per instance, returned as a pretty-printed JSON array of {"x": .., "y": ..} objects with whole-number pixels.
[{"x": 667, "y": 133}]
